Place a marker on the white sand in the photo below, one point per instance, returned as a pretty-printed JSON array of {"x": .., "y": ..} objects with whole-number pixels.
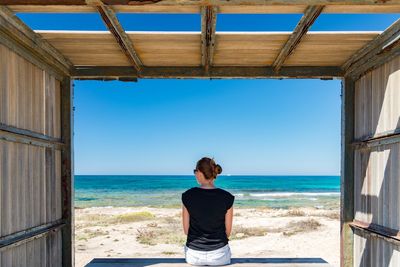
[{"x": 97, "y": 238}]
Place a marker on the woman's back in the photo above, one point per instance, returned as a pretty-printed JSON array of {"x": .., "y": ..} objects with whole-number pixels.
[{"x": 207, "y": 209}]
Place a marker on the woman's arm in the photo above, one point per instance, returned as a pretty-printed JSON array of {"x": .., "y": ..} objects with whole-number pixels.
[
  {"x": 228, "y": 221},
  {"x": 185, "y": 219}
]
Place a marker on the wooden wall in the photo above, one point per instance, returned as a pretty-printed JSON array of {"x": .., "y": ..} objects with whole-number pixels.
[
  {"x": 30, "y": 174},
  {"x": 377, "y": 167}
]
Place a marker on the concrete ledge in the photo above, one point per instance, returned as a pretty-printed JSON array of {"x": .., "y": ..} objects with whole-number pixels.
[{"x": 180, "y": 262}]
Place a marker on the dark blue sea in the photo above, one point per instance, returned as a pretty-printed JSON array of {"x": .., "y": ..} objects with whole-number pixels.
[{"x": 165, "y": 190}]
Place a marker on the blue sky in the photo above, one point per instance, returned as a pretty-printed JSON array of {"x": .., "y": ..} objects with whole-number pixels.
[{"x": 249, "y": 126}]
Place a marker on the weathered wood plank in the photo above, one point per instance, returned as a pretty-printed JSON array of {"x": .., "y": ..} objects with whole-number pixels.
[
  {"x": 202, "y": 2},
  {"x": 385, "y": 138},
  {"x": 25, "y": 236},
  {"x": 388, "y": 234},
  {"x": 23, "y": 136},
  {"x": 224, "y": 9},
  {"x": 374, "y": 52},
  {"x": 214, "y": 72},
  {"x": 306, "y": 21},
  {"x": 67, "y": 173},
  {"x": 347, "y": 173},
  {"x": 208, "y": 27}
]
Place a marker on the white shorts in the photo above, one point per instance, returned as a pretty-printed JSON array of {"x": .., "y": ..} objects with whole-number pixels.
[{"x": 220, "y": 256}]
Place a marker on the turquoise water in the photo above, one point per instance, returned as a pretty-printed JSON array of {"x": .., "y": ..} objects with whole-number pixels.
[{"x": 165, "y": 191}]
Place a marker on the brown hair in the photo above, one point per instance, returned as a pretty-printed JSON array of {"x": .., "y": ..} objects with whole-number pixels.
[{"x": 209, "y": 168}]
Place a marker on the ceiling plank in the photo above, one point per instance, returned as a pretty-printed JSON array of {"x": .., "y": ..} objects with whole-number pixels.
[{"x": 306, "y": 21}]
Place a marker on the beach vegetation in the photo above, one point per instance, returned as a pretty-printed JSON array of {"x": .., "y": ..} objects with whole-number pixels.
[
  {"x": 296, "y": 227},
  {"x": 295, "y": 213},
  {"x": 132, "y": 217},
  {"x": 241, "y": 232}
]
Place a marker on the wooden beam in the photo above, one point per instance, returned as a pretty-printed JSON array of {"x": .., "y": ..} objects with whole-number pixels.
[
  {"x": 14, "y": 30},
  {"x": 208, "y": 25},
  {"x": 67, "y": 173},
  {"x": 347, "y": 172},
  {"x": 224, "y": 9},
  {"x": 385, "y": 138},
  {"x": 370, "y": 55},
  {"x": 203, "y": 2},
  {"x": 25, "y": 236},
  {"x": 110, "y": 19},
  {"x": 306, "y": 21},
  {"x": 374, "y": 61},
  {"x": 388, "y": 234},
  {"x": 13, "y": 134},
  {"x": 214, "y": 72}
]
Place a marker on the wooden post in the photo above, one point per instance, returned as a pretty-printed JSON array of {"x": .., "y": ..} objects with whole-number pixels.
[
  {"x": 67, "y": 173},
  {"x": 347, "y": 173}
]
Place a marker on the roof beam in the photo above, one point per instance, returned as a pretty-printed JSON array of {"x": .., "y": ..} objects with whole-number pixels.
[
  {"x": 174, "y": 72},
  {"x": 19, "y": 37},
  {"x": 110, "y": 19},
  {"x": 203, "y": 2},
  {"x": 208, "y": 25},
  {"x": 381, "y": 48},
  {"x": 306, "y": 21}
]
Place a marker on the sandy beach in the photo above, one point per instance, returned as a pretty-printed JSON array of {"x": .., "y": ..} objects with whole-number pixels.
[{"x": 157, "y": 232}]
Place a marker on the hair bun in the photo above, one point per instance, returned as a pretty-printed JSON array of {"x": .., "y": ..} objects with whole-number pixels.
[{"x": 218, "y": 169}]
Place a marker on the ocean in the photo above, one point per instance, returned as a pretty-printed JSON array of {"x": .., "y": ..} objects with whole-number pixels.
[{"x": 165, "y": 190}]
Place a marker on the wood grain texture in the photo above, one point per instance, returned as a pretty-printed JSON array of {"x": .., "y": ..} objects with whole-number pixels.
[
  {"x": 324, "y": 48},
  {"x": 163, "y": 49},
  {"x": 29, "y": 96},
  {"x": 30, "y": 174},
  {"x": 377, "y": 168}
]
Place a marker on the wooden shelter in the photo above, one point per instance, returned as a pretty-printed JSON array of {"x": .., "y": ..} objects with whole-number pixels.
[{"x": 36, "y": 107}]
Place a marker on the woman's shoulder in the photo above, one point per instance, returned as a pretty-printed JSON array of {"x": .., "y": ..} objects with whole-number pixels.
[
  {"x": 189, "y": 190},
  {"x": 226, "y": 192}
]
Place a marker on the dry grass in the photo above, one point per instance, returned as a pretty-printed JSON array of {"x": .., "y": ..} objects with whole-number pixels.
[
  {"x": 132, "y": 217},
  {"x": 167, "y": 231},
  {"x": 295, "y": 213},
  {"x": 302, "y": 226},
  {"x": 241, "y": 232},
  {"x": 160, "y": 235},
  {"x": 169, "y": 253},
  {"x": 334, "y": 215},
  {"x": 89, "y": 234},
  {"x": 89, "y": 220}
]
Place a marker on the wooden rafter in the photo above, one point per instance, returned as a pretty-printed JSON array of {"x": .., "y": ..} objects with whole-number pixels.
[
  {"x": 307, "y": 20},
  {"x": 208, "y": 25},
  {"x": 110, "y": 19},
  {"x": 368, "y": 56}
]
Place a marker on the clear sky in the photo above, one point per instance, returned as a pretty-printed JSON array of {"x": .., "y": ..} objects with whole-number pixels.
[{"x": 249, "y": 126}]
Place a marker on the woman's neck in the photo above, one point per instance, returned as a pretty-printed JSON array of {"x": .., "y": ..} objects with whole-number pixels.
[{"x": 207, "y": 185}]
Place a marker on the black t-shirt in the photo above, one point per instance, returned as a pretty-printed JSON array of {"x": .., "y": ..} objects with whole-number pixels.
[{"x": 207, "y": 209}]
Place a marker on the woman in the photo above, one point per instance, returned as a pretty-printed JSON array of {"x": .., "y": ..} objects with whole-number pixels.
[{"x": 207, "y": 213}]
